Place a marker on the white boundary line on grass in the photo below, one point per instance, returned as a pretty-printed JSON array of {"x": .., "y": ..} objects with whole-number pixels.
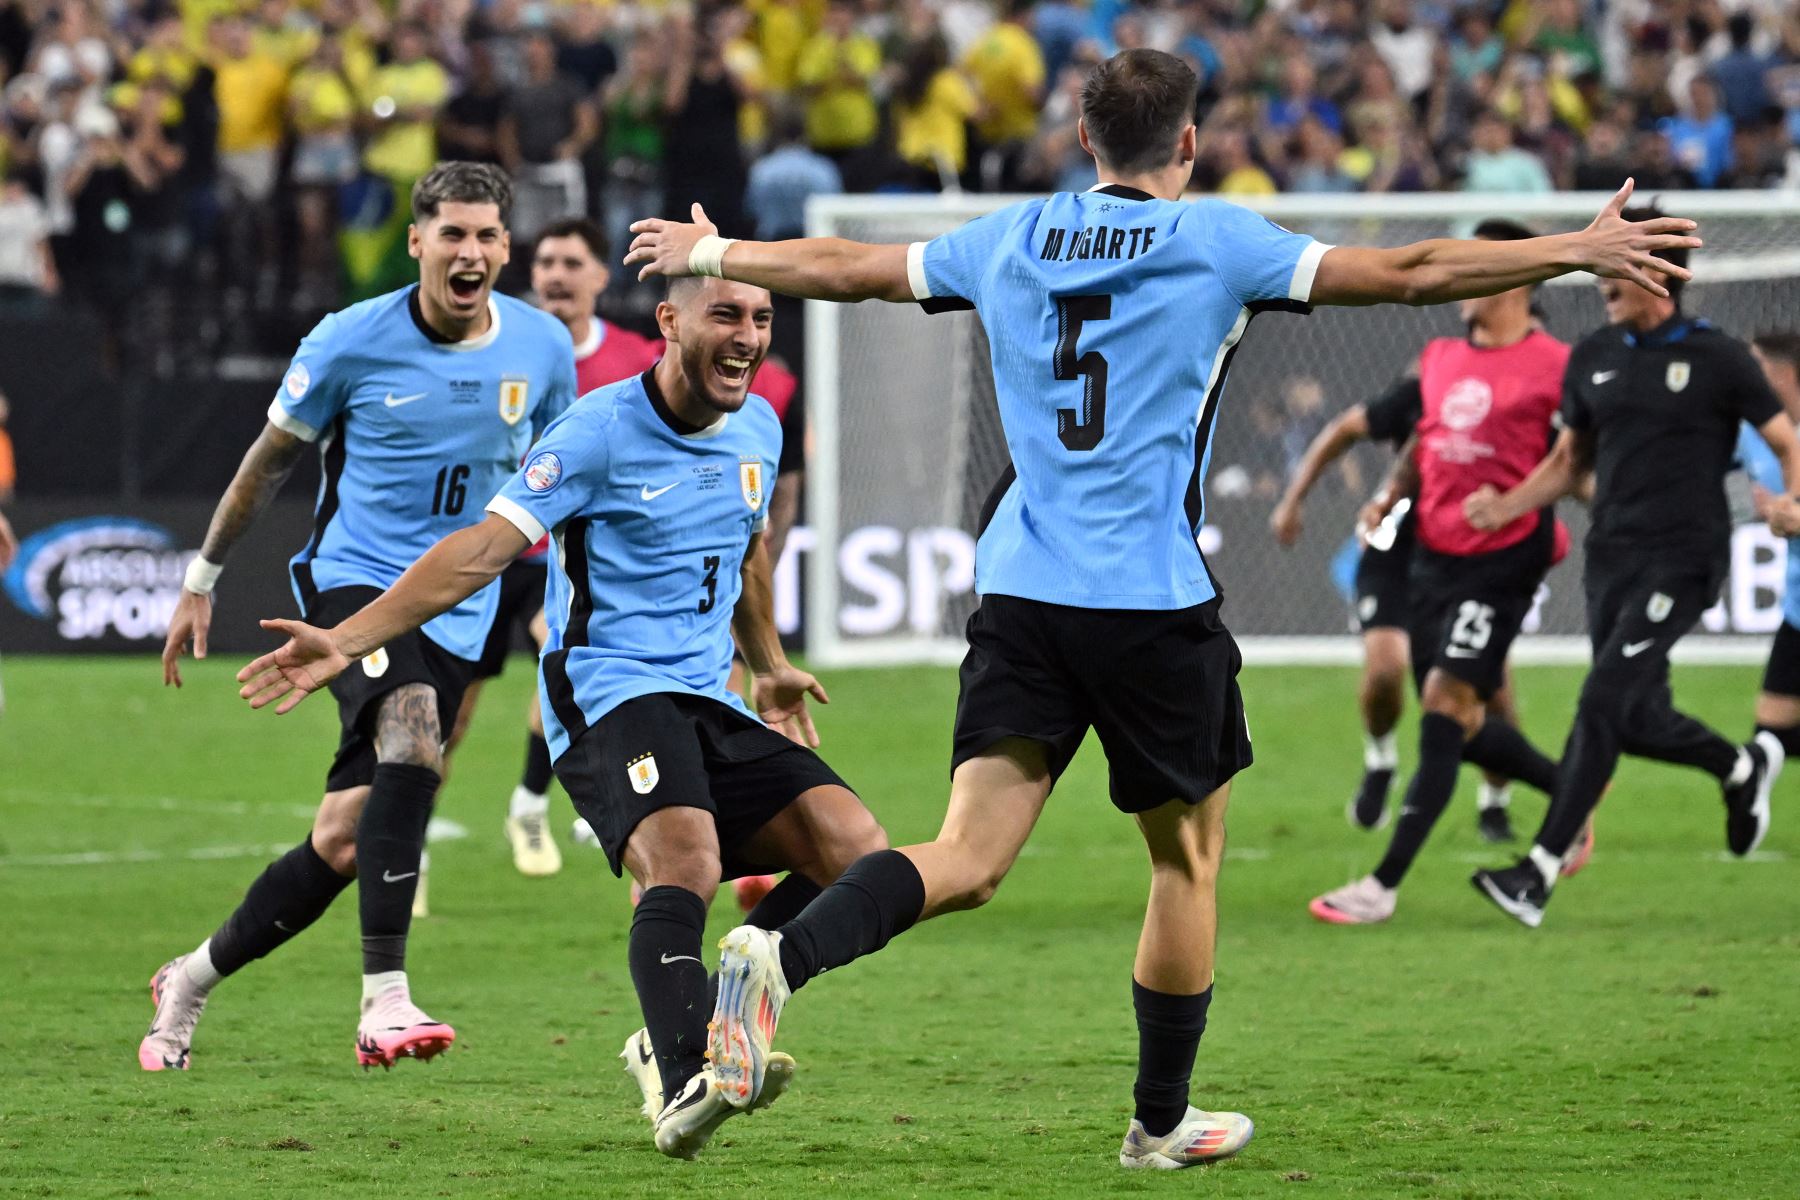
[{"x": 439, "y": 830}]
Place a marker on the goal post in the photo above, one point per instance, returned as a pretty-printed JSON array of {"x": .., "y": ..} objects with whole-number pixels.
[{"x": 907, "y": 441}]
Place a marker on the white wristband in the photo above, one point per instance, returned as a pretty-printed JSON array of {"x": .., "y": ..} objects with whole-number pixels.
[
  {"x": 201, "y": 576},
  {"x": 708, "y": 255}
]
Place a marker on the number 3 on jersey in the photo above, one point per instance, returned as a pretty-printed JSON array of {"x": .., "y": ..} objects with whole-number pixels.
[{"x": 1081, "y": 430}]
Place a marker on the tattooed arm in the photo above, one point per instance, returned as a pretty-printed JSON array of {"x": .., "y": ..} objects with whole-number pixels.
[{"x": 266, "y": 466}]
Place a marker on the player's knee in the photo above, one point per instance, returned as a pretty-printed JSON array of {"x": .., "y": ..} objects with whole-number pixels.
[
  {"x": 853, "y": 835},
  {"x": 334, "y": 838},
  {"x": 1450, "y": 697},
  {"x": 1610, "y": 700}
]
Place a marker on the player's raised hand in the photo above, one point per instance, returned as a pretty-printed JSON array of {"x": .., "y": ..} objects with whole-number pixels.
[
  {"x": 1783, "y": 515},
  {"x": 190, "y": 622},
  {"x": 9, "y": 543},
  {"x": 307, "y": 662},
  {"x": 780, "y": 699},
  {"x": 1621, "y": 249},
  {"x": 663, "y": 248}
]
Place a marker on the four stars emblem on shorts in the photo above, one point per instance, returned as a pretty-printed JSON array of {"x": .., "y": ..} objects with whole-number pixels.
[{"x": 642, "y": 773}]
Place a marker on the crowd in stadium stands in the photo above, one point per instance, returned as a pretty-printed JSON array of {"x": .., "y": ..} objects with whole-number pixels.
[{"x": 271, "y": 142}]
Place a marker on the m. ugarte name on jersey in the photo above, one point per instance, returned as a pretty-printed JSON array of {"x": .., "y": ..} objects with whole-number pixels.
[{"x": 1097, "y": 241}]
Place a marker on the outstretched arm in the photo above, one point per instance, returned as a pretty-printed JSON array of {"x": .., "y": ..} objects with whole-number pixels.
[
  {"x": 1559, "y": 474},
  {"x": 1350, "y": 427},
  {"x": 780, "y": 688},
  {"x": 266, "y": 466},
  {"x": 1402, "y": 481},
  {"x": 448, "y": 573},
  {"x": 812, "y": 268},
  {"x": 1445, "y": 269}
]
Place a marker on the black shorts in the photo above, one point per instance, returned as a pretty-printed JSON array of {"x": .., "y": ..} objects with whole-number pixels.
[
  {"x": 1468, "y": 609},
  {"x": 1640, "y": 603},
  {"x": 409, "y": 658},
  {"x": 1782, "y": 676},
  {"x": 1160, "y": 688},
  {"x": 521, "y": 599},
  {"x": 1383, "y": 588},
  {"x": 672, "y": 750}
]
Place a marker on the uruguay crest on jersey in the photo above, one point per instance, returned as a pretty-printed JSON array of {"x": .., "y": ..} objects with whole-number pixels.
[
  {"x": 514, "y": 391},
  {"x": 750, "y": 476},
  {"x": 1678, "y": 376},
  {"x": 643, "y": 773}
]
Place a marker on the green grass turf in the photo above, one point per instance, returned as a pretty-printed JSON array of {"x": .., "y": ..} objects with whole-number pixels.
[{"x": 1641, "y": 1044}]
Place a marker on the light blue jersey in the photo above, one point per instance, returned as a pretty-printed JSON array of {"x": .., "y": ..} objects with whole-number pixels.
[
  {"x": 414, "y": 434},
  {"x": 1112, "y": 318},
  {"x": 649, "y": 525},
  {"x": 1761, "y": 465}
]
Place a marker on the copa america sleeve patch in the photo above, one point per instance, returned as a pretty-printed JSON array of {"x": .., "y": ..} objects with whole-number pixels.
[
  {"x": 298, "y": 380},
  {"x": 543, "y": 472}
]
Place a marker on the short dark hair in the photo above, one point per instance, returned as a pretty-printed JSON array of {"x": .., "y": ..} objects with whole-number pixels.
[
  {"x": 461, "y": 183},
  {"x": 582, "y": 228},
  {"x": 1782, "y": 345},
  {"x": 1502, "y": 229},
  {"x": 1677, "y": 255},
  {"x": 1136, "y": 104}
]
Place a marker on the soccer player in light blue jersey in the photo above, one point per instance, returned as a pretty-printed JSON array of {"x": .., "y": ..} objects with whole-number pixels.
[
  {"x": 1112, "y": 316},
  {"x": 655, "y": 492},
  {"x": 421, "y": 402},
  {"x": 1778, "y": 703}
]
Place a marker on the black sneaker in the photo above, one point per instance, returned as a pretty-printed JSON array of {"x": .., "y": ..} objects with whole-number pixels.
[
  {"x": 1747, "y": 804},
  {"x": 1495, "y": 825},
  {"x": 1519, "y": 891},
  {"x": 1368, "y": 808}
]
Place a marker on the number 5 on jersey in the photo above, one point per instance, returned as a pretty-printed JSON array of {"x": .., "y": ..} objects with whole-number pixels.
[{"x": 1081, "y": 430}]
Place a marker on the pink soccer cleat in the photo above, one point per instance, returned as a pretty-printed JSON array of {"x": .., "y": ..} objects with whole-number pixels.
[
  {"x": 178, "y": 1004},
  {"x": 393, "y": 1028},
  {"x": 751, "y": 889},
  {"x": 1364, "y": 902}
]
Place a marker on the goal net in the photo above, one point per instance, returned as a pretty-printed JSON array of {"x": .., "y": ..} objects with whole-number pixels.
[{"x": 907, "y": 438}]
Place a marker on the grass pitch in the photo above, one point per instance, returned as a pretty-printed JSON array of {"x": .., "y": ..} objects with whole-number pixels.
[{"x": 1641, "y": 1044}]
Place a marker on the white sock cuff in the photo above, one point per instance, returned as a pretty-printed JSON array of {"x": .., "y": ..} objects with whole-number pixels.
[
  {"x": 1490, "y": 796},
  {"x": 1380, "y": 753},
  {"x": 199, "y": 967},
  {"x": 1548, "y": 865},
  {"x": 527, "y": 803},
  {"x": 381, "y": 981}
]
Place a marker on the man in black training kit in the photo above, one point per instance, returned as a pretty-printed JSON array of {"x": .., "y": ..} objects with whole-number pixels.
[
  {"x": 1112, "y": 315},
  {"x": 1652, "y": 405}
]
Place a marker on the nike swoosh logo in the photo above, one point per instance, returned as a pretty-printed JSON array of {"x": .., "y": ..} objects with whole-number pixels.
[
  {"x": 1633, "y": 649},
  {"x": 669, "y": 958},
  {"x": 389, "y": 877},
  {"x": 282, "y": 927},
  {"x": 394, "y": 401},
  {"x": 1603, "y": 376},
  {"x": 647, "y": 494}
]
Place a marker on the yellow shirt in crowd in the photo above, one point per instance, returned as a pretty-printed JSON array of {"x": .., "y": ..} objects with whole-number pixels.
[
  {"x": 251, "y": 92},
  {"x": 781, "y": 30},
  {"x": 935, "y": 130},
  {"x": 405, "y": 149},
  {"x": 840, "y": 115},
  {"x": 1008, "y": 70},
  {"x": 319, "y": 99}
]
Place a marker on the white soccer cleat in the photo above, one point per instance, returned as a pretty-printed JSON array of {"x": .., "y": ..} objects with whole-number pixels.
[
  {"x": 582, "y": 834},
  {"x": 534, "y": 850},
  {"x": 640, "y": 1064},
  {"x": 1364, "y": 902},
  {"x": 420, "y": 907},
  {"x": 690, "y": 1120},
  {"x": 752, "y": 991},
  {"x": 1202, "y": 1137},
  {"x": 393, "y": 1028},
  {"x": 178, "y": 1005}
]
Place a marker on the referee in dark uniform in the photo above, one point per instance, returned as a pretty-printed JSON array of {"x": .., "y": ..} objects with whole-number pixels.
[{"x": 1652, "y": 405}]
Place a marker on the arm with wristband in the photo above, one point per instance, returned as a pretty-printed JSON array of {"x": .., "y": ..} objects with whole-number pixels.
[{"x": 266, "y": 466}]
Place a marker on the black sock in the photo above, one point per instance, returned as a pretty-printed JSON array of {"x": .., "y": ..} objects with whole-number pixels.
[
  {"x": 538, "y": 774},
  {"x": 1789, "y": 737},
  {"x": 1433, "y": 783},
  {"x": 878, "y": 898},
  {"x": 1169, "y": 1029},
  {"x": 291, "y": 894},
  {"x": 670, "y": 979},
  {"x": 1504, "y": 750},
  {"x": 389, "y": 840}
]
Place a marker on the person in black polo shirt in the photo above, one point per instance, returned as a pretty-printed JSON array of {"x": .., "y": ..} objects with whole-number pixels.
[{"x": 1651, "y": 404}]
